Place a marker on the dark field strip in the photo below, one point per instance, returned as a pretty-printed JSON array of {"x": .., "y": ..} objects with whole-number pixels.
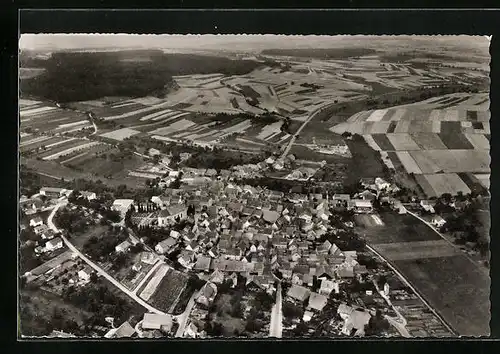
[
  {"x": 398, "y": 166},
  {"x": 383, "y": 142},
  {"x": 477, "y": 125},
  {"x": 481, "y": 102},
  {"x": 392, "y": 126},
  {"x": 426, "y": 186},
  {"x": 488, "y": 136},
  {"x": 454, "y": 140},
  {"x": 472, "y": 182},
  {"x": 456, "y": 102},
  {"x": 38, "y": 144},
  {"x": 472, "y": 115}
]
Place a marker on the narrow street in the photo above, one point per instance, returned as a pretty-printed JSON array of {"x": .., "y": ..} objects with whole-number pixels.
[
  {"x": 398, "y": 322},
  {"x": 98, "y": 269},
  {"x": 182, "y": 319},
  {"x": 406, "y": 281},
  {"x": 276, "y": 326}
]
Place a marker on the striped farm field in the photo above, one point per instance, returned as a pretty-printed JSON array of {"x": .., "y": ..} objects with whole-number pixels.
[
  {"x": 120, "y": 134},
  {"x": 472, "y": 182},
  {"x": 174, "y": 127},
  {"x": 90, "y": 153},
  {"x": 371, "y": 142},
  {"x": 453, "y": 139},
  {"x": 402, "y": 142},
  {"x": 377, "y": 115},
  {"x": 383, "y": 142},
  {"x": 484, "y": 178},
  {"x": 425, "y": 185},
  {"x": 68, "y": 144},
  {"x": 71, "y": 150},
  {"x": 402, "y": 126},
  {"x": 446, "y": 183},
  {"x": 153, "y": 283},
  {"x": 380, "y": 128},
  {"x": 396, "y": 251},
  {"x": 479, "y": 141},
  {"x": 408, "y": 162},
  {"x": 428, "y": 141},
  {"x": 476, "y": 161}
]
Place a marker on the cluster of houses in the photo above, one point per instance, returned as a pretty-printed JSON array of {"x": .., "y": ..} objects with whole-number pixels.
[{"x": 49, "y": 241}]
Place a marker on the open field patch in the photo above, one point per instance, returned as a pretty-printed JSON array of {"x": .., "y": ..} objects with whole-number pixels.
[
  {"x": 383, "y": 142},
  {"x": 456, "y": 287},
  {"x": 479, "y": 141},
  {"x": 168, "y": 290},
  {"x": 449, "y": 161},
  {"x": 152, "y": 283},
  {"x": 428, "y": 141},
  {"x": 120, "y": 134},
  {"x": 402, "y": 142},
  {"x": 396, "y": 228},
  {"x": 408, "y": 162},
  {"x": 446, "y": 183},
  {"x": 453, "y": 139},
  {"x": 417, "y": 250},
  {"x": 484, "y": 179}
]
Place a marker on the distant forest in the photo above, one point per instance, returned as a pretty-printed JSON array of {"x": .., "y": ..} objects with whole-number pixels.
[
  {"x": 321, "y": 53},
  {"x": 80, "y": 76}
]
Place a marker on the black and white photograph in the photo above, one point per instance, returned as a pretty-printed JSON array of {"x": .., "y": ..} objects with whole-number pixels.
[{"x": 253, "y": 186}]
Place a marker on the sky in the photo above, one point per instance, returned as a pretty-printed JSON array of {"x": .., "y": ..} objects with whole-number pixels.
[{"x": 222, "y": 42}]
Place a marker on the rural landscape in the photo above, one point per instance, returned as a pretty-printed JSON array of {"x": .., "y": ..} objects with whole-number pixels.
[{"x": 253, "y": 186}]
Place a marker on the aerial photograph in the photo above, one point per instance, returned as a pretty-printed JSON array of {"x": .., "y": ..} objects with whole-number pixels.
[{"x": 253, "y": 187}]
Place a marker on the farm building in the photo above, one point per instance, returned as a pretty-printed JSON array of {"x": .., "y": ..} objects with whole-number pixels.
[
  {"x": 166, "y": 245},
  {"x": 438, "y": 221},
  {"x": 52, "y": 192},
  {"x": 85, "y": 273},
  {"x": 88, "y": 195},
  {"x": 123, "y": 247},
  {"x": 122, "y": 205},
  {"x": 124, "y": 331},
  {"x": 207, "y": 294},
  {"x": 36, "y": 221},
  {"x": 152, "y": 321},
  {"x": 360, "y": 205},
  {"x": 317, "y": 301},
  {"x": 172, "y": 214},
  {"x": 298, "y": 293},
  {"x": 54, "y": 244}
]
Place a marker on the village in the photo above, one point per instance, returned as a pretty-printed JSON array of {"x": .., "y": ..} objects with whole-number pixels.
[{"x": 296, "y": 253}]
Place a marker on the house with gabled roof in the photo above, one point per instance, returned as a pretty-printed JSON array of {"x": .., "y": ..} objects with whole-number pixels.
[
  {"x": 316, "y": 302},
  {"x": 298, "y": 293}
]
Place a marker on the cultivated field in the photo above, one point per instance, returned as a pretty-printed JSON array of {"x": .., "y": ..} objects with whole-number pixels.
[
  {"x": 168, "y": 290},
  {"x": 456, "y": 288},
  {"x": 444, "y": 139}
]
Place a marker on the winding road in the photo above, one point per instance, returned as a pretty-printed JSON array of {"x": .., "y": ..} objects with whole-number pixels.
[{"x": 296, "y": 134}]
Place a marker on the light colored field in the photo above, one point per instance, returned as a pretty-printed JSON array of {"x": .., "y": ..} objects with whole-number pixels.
[
  {"x": 447, "y": 183},
  {"x": 142, "y": 110},
  {"x": 416, "y": 250},
  {"x": 269, "y": 129},
  {"x": 380, "y": 127},
  {"x": 70, "y": 150},
  {"x": 371, "y": 142},
  {"x": 154, "y": 282},
  {"x": 73, "y": 124},
  {"x": 428, "y": 141},
  {"x": 408, "y": 162},
  {"x": 120, "y": 134},
  {"x": 34, "y": 140},
  {"x": 29, "y": 112},
  {"x": 398, "y": 114},
  {"x": 450, "y": 161},
  {"x": 402, "y": 126},
  {"x": 59, "y": 143},
  {"x": 156, "y": 114},
  {"x": 377, "y": 220},
  {"x": 176, "y": 126},
  {"x": 376, "y": 115},
  {"x": 402, "y": 142},
  {"x": 484, "y": 179},
  {"x": 479, "y": 141}
]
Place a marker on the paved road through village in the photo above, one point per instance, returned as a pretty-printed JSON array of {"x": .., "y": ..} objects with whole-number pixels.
[{"x": 276, "y": 326}]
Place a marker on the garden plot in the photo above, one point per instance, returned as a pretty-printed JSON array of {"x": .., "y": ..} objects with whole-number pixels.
[
  {"x": 153, "y": 282},
  {"x": 446, "y": 183},
  {"x": 408, "y": 162},
  {"x": 168, "y": 290},
  {"x": 402, "y": 142},
  {"x": 120, "y": 134}
]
